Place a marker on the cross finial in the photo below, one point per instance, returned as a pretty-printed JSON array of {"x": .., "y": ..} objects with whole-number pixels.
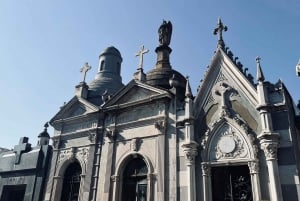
[
  {"x": 84, "y": 70},
  {"x": 218, "y": 30},
  {"x": 258, "y": 60},
  {"x": 140, "y": 54}
]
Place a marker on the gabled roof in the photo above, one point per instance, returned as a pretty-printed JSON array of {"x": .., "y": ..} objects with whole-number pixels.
[
  {"x": 75, "y": 107},
  {"x": 134, "y": 93},
  {"x": 224, "y": 68}
]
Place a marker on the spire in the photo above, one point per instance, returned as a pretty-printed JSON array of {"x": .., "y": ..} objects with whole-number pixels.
[
  {"x": 260, "y": 76},
  {"x": 188, "y": 91},
  {"x": 219, "y": 30}
]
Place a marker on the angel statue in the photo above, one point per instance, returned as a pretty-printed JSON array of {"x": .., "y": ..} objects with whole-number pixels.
[{"x": 165, "y": 32}]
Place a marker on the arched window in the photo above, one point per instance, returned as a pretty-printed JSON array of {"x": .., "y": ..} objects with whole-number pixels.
[
  {"x": 102, "y": 65},
  {"x": 71, "y": 183},
  {"x": 135, "y": 181}
]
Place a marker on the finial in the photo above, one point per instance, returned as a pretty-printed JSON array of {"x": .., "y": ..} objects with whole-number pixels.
[
  {"x": 140, "y": 54},
  {"x": 218, "y": 30},
  {"x": 298, "y": 69},
  {"x": 46, "y": 125},
  {"x": 188, "y": 91},
  {"x": 84, "y": 70},
  {"x": 260, "y": 76},
  {"x": 165, "y": 33}
]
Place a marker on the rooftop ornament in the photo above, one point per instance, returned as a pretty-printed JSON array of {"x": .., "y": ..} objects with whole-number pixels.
[
  {"x": 219, "y": 30},
  {"x": 165, "y": 33}
]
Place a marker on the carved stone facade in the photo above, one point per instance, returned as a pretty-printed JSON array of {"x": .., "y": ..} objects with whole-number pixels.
[{"x": 152, "y": 140}]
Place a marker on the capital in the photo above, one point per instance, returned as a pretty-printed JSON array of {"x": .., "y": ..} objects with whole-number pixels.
[
  {"x": 270, "y": 150},
  {"x": 205, "y": 169},
  {"x": 253, "y": 167},
  {"x": 190, "y": 151}
]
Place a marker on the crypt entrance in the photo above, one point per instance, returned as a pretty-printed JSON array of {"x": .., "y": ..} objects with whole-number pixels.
[
  {"x": 231, "y": 183},
  {"x": 230, "y": 166},
  {"x": 135, "y": 181}
]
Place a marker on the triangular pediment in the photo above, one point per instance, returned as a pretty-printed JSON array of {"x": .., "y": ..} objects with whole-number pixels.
[
  {"x": 134, "y": 93},
  {"x": 75, "y": 107}
]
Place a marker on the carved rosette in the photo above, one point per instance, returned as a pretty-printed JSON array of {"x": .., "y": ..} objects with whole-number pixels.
[
  {"x": 206, "y": 170},
  {"x": 190, "y": 151},
  {"x": 253, "y": 167},
  {"x": 270, "y": 150}
]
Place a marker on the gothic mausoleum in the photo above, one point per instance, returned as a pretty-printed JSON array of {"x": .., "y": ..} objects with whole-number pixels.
[{"x": 153, "y": 139}]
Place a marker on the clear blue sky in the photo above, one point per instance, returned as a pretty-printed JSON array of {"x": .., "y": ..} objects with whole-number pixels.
[{"x": 43, "y": 44}]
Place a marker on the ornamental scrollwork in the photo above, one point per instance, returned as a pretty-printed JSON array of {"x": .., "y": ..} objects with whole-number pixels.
[
  {"x": 230, "y": 145},
  {"x": 270, "y": 150},
  {"x": 253, "y": 167}
]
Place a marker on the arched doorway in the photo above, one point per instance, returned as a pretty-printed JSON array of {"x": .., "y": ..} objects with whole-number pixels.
[
  {"x": 135, "y": 180},
  {"x": 71, "y": 183}
]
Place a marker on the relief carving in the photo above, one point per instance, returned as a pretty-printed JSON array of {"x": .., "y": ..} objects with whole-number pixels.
[
  {"x": 253, "y": 167},
  {"x": 230, "y": 145},
  {"x": 135, "y": 144},
  {"x": 205, "y": 169},
  {"x": 270, "y": 150}
]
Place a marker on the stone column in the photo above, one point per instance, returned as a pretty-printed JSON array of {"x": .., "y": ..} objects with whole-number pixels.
[
  {"x": 190, "y": 150},
  {"x": 270, "y": 150},
  {"x": 57, "y": 188},
  {"x": 255, "y": 183},
  {"x": 206, "y": 174}
]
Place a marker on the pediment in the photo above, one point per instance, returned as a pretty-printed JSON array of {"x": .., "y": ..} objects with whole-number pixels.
[
  {"x": 75, "y": 107},
  {"x": 135, "y": 92},
  {"x": 226, "y": 88},
  {"x": 224, "y": 74}
]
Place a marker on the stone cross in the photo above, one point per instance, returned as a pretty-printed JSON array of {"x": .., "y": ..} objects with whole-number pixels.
[
  {"x": 141, "y": 55},
  {"x": 258, "y": 59},
  {"x": 84, "y": 70},
  {"x": 220, "y": 28},
  {"x": 23, "y": 146}
]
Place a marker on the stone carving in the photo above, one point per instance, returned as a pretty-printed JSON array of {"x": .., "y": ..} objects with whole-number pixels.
[
  {"x": 110, "y": 132},
  {"x": 190, "y": 150},
  {"x": 230, "y": 145},
  {"x": 205, "y": 169},
  {"x": 84, "y": 70},
  {"x": 204, "y": 139},
  {"x": 92, "y": 137},
  {"x": 253, "y": 167},
  {"x": 115, "y": 178},
  {"x": 83, "y": 154},
  {"x": 160, "y": 125},
  {"x": 72, "y": 153},
  {"x": 135, "y": 144},
  {"x": 165, "y": 33},
  {"x": 270, "y": 150},
  {"x": 55, "y": 143}
]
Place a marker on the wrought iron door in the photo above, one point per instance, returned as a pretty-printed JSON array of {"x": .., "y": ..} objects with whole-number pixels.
[{"x": 231, "y": 183}]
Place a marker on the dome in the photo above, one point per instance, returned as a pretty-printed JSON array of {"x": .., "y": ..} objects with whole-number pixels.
[
  {"x": 161, "y": 77},
  {"x": 108, "y": 78},
  {"x": 111, "y": 50}
]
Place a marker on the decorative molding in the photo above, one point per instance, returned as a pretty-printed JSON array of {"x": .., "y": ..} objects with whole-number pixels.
[
  {"x": 135, "y": 144},
  {"x": 206, "y": 169},
  {"x": 230, "y": 145},
  {"x": 270, "y": 150},
  {"x": 253, "y": 167},
  {"x": 115, "y": 178},
  {"x": 190, "y": 151},
  {"x": 110, "y": 132},
  {"x": 160, "y": 125},
  {"x": 92, "y": 137}
]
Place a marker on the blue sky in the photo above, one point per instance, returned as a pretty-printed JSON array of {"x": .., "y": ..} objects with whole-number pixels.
[{"x": 43, "y": 44}]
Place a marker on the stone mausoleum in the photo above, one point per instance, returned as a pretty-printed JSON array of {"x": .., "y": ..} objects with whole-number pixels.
[{"x": 235, "y": 139}]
